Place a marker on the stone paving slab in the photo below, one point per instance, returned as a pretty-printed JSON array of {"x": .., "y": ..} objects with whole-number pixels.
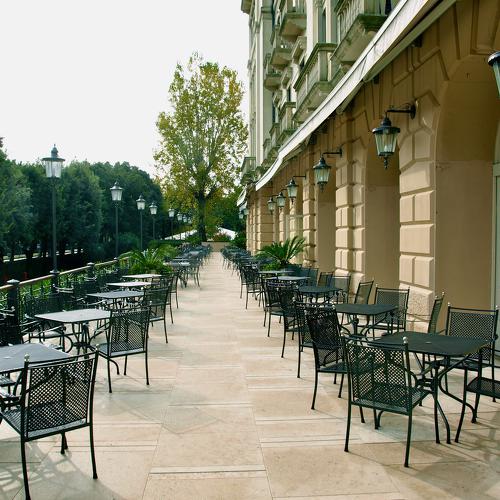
[{"x": 225, "y": 417}]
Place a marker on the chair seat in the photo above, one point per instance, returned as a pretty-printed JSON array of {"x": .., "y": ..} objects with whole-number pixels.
[
  {"x": 485, "y": 386},
  {"x": 390, "y": 397},
  {"x": 339, "y": 367},
  {"x": 45, "y": 418},
  {"x": 118, "y": 349},
  {"x": 6, "y": 381}
]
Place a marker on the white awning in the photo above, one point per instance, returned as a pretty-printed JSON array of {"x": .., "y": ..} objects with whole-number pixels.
[{"x": 388, "y": 42}]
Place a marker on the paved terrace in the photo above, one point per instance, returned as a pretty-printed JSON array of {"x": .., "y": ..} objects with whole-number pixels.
[{"x": 226, "y": 418}]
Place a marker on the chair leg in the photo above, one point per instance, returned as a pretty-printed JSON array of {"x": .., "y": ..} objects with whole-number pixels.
[
  {"x": 246, "y": 303},
  {"x": 146, "y": 362},
  {"x": 284, "y": 340},
  {"x": 341, "y": 384},
  {"x": 265, "y": 316},
  {"x": 269, "y": 325},
  {"x": 165, "y": 328},
  {"x": 315, "y": 389},
  {"x": 125, "y": 367},
  {"x": 64, "y": 443},
  {"x": 92, "y": 452},
  {"x": 298, "y": 363},
  {"x": 109, "y": 376},
  {"x": 408, "y": 440},
  {"x": 25, "y": 471},
  {"x": 361, "y": 415},
  {"x": 176, "y": 301},
  {"x": 171, "y": 314},
  {"x": 348, "y": 430},
  {"x": 462, "y": 413}
]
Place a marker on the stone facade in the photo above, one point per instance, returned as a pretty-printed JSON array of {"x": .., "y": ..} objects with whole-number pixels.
[{"x": 428, "y": 222}]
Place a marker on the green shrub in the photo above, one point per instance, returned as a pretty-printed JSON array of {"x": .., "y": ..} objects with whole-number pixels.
[{"x": 283, "y": 253}]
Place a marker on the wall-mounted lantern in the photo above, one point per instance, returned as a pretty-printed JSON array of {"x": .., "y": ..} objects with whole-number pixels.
[
  {"x": 292, "y": 187},
  {"x": 386, "y": 134},
  {"x": 280, "y": 200},
  {"x": 271, "y": 204},
  {"x": 494, "y": 62},
  {"x": 322, "y": 169}
]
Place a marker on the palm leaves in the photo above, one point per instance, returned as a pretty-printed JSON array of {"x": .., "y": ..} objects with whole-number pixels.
[
  {"x": 150, "y": 260},
  {"x": 283, "y": 253}
]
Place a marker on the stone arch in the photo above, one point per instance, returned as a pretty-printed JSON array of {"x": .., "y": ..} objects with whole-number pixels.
[{"x": 465, "y": 147}]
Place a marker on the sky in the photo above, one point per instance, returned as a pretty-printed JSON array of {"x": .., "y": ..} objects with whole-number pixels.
[{"x": 92, "y": 76}]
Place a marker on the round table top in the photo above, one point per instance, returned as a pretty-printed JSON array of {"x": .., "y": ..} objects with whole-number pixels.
[
  {"x": 276, "y": 271},
  {"x": 144, "y": 276},
  {"x": 311, "y": 289},
  {"x": 293, "y": 278},
  {"x": 130, "y": 284}
]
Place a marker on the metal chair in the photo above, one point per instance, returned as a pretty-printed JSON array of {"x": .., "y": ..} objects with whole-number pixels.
[
  {"x": 157, "y": 299},
  {"x": 325, "y": 279},
  {"x": 394, "y": 297},
  {"x": 343, "y": 283},
  {"x": 251, "y": 280},
  {"x": 473, "y": 323},
  {"x": 126, "y": 335},
  {"x": 324, "y": 329},
  {"x": 54, "y": 398},
  {"x": 380, "y": 378},
  {"x": 287, "y": 295},
  {"x": 363, "y": 292}
]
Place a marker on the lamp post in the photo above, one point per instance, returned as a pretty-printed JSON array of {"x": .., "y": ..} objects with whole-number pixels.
[
  {"x": 179, "y": 220},
  {"x": 153, "y": 209},
  {"x": 116, "y": 197},
  {"x": 141, "y": 205},
  {"x": 53, "y": 168},
  {"x": 171, "y": 215}
]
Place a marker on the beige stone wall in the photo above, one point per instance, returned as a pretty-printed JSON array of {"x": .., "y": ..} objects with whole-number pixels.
[{"x": 427, "y": 221}]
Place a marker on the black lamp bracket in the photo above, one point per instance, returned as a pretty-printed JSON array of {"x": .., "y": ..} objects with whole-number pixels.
[
  {"x": 409, "y": 108},
  {"x": 338, "y": 151}
]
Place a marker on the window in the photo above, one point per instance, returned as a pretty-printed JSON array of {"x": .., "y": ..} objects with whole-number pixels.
[{"x": 322, "y": 26}]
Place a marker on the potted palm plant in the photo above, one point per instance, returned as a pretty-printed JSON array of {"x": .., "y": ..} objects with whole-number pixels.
[{"x": 282, "y": 253}]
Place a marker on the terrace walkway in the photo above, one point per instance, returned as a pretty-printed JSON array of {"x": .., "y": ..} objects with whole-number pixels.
[{"x": 226, "y": 418}]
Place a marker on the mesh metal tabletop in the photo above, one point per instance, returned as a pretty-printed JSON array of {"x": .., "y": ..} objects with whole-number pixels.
[
  {"x": 130, "y": 284},
  {"x": 117, "y": 294},
  {"x": 12, "y": 357},
  {"x": 76, "y": 316}
]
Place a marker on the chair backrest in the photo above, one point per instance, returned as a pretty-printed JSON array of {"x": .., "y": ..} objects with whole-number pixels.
[
  {"x": 42, "y": 304},
  {"x": 393, "y": 297},
  {"x": 325, "y": 279},
  {"x": 363, "y": 292},
  {"x": 156, "y": 298},
  {"x": 436, "y": 309},
  {"x": 343, "y": 282},
  {"x": 57, "y": 396},
  {"x": 313, "y": 275},
  {"x": 128, "y": 330},
  {"x": 287, "y": 295},
  {"x": 81, "y": 289},
  {"x": 324, "y": 329},
  {"x": 379, "y": 376},
  {"x": 10, "y": 331},
  {"x": 474, "y": 323}
]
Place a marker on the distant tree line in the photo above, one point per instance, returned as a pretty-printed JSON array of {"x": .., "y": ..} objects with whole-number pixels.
[{"x": 85, "y": 212}]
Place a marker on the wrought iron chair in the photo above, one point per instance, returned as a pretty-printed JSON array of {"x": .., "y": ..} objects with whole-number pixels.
[
  {"x": 380, "y": 378},
  {"x": 343, "y": 283},
  {"x": 157, "y": 299},
  {"x": 325, "y": 279},
  {"x": 474, "y": 323},
  {"x": 54, "y": 398},
  {"x": 394, "y": 297},
  {"x": 251, "y": 280},
  {"x": 287, "y": 295},
  {"x": 363, "y": 292},
  {"x": 126, "y": 335},
  {"x": 272, "y": 305},
  {"x": 324, "y": 329}
]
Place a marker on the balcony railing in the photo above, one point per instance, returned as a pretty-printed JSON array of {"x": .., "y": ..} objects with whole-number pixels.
[
  {"x": 287, "y": 122},
  {"x": 293, "y": 18},
  {"x": 248, "y": 166},
  {"x": 313, "y": 82},
  {"x": 369, "y": 12},
  {"x": 282, "y": 50},
  {"x": 271, "y": 74}
]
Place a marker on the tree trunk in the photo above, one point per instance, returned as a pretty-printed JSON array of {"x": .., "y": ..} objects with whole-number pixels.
[{"x": 201, "y": 227}]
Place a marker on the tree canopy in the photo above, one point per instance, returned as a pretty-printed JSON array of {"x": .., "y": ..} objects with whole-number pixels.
[{"x": 203, "y": 138}]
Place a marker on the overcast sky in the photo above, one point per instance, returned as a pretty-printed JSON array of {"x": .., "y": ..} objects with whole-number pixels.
[{"x": 92, "y": 75}]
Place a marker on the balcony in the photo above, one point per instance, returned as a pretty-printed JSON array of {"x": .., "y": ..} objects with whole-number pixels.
[
  {"x": 286, "y": 76},
  {"x": 357, "y": 23},
  {"x": 299, "y": 48},
  {"x": 314, "y": 82},
  {"x": 271, "y": 74},
  {"x": 246, "y": 5},
  {"x": 293, "y": 19},
  {"x": 248, "y": 169},
  {"x": 282, "y": 50},
  {"x": 287, "y": 122}
]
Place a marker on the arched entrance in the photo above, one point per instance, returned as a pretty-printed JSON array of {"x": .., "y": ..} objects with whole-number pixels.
[{"x": 465, "y": 146}]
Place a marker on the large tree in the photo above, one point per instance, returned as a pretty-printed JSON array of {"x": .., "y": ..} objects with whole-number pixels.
[{"x": 203, "y": 138}]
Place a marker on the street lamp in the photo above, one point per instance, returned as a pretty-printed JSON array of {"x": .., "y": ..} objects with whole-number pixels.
[
  {"x": 271, "y": 204},
  {"x": 141, "y": 205},
  {"x": 53, "y": 168},
  {"x": 179, "y": 220},
  {"x": 153, "y": 209},
  {"x": 322, "y": 169},
  {"x": 171, "y": 215},
  {"x": 280, "y": 200},
  {"x": 386, "y": 134},
  {"x": 494, "y": 62},
  {"x": 116, "y": 197}
]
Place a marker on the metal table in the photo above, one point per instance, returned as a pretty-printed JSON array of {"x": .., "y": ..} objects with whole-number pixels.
[
  {"x": 293, "y": 279},
  {"x": 12, "y": 357},
  {"x": 368, "y": 310},
  {"x": 276, "y": 272},
  {"x": 130, "y": 284},
  {"x": 314, "y": 292},
  {"x": 117, "y": 295},
  {"x": 145, "y": 276},
  {"x": 79, "y": 318},
  {"x": 442, "y": 346}
]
